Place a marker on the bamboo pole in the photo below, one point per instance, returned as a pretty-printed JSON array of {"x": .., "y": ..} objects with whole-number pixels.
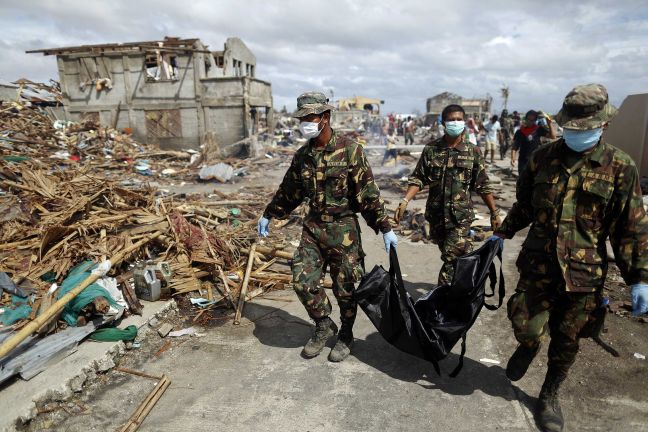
[
  {"x": 226, "y": 291},
  {"x": 15, "y": 340},
  {"x": 272, "y": 252},
  {"x": 138, "y": 373},
  {"x": 244, "y": 288},
  {"x": 146, "y": 405}
]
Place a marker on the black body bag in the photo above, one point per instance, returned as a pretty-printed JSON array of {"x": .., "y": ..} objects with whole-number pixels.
[{"x": 430, "y": 327}]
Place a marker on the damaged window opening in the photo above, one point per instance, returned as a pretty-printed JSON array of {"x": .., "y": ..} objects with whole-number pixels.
[
  {"x": 95, "y": 71},
  {"x": 219, "y": 59},
  {"x": 161, "y": 67}
]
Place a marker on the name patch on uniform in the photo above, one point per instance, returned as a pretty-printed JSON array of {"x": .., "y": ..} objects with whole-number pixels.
[
  {"x": 599, "y": 176},
  {"x": 336, "y": 163}
]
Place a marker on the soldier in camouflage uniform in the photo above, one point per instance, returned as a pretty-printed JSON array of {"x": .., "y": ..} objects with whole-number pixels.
[
  {"x": 332, "y": 174},
  {"x": 453, "y": 168},
  {"x": 575, "y": 193},
  {"x": 507, "y": 133}
]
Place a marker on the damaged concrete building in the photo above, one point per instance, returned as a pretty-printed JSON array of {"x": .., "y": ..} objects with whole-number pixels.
[
  {"x": 477, "y": 108},
  {"x": 174, "y": 93}
]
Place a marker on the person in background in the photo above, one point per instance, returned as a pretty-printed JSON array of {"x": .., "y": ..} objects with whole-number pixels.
[
  {"x": 472, "y": 131},
  {"x": 410, "y": 128},
  {"x": 507, "y": 133},
  {"x": 576, "y": 193},
  {"x": 493, "y": 137},
  {"x": 390, "y": 151},
  {"x": 516, "y": 121},
  {"x": 527, "y": 139}
]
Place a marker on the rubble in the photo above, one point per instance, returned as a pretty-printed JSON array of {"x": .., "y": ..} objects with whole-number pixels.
[{"x": 57, "y": 213}]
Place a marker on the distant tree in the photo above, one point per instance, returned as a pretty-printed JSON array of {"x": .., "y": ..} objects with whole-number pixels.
[
  {"x": 284, "y": 110},
  {"x": 504, "y": 91}
]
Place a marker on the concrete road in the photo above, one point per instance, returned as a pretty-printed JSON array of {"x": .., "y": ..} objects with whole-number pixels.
[{"x": 252, "y": 378}]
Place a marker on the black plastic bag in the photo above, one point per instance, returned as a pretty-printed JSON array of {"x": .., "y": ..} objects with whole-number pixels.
[{"x": 430, "y": 327}]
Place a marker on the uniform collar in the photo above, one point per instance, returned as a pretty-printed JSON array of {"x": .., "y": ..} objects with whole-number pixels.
[
  {"x": 333, "y": 144},
  {"x": 460, "y": 147},
  {"x": 598, "y": 155}
]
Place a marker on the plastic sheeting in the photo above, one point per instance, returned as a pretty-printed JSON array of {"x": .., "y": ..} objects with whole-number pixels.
[{"x": 430, "y": 327}]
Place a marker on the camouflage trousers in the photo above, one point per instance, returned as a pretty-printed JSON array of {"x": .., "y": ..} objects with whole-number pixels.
[
  {"x": 453, "y": 243},
  {"x": 336, "y": 245},
  {"x": 541, "y": 305}
]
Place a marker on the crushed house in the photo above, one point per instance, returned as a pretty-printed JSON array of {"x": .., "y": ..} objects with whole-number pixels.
[{"x": 174, "y": 93}]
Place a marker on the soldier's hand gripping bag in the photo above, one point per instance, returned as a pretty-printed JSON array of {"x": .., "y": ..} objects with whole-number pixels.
[{"x": 432, "y": 326}]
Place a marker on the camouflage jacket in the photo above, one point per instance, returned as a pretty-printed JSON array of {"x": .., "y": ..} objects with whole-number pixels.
[
  {"x": 572, "y": 211},
  {"x": 337, "y": 182},
  {"x": 452, "y": 174}
]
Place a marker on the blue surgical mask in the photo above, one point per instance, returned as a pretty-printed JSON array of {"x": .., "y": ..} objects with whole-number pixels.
[
  {"x": 582, "y": 140},
  {"x": 454, "y": 128}
]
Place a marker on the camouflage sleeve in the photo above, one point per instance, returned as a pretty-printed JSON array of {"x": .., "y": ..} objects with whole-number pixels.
[
  {"x": 480, "y": 183},
  {"x": 629, "y": 231},
  {"x": 418, "y": 177},
  {"x": 289, "y": 195},
  {"x": 364, "y": 191},
  {"x": 521, "y": 214}
]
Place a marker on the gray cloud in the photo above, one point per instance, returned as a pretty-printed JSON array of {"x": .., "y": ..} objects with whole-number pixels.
[{"x": 402, "y": 52}]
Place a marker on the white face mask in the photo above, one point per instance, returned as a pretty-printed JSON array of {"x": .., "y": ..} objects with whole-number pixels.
[{"x": 310, "y": 129}]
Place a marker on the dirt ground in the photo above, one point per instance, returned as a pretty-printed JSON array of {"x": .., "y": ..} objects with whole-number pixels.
[{"x": 252, "y": 378}]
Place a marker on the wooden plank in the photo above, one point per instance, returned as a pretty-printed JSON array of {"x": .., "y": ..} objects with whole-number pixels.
[{"x": 244, "y": 288}]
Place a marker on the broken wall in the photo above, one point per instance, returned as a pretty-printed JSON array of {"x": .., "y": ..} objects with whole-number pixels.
[
  {"x": 8, "y": 92},
  {"x": 239, "y": 60},
  {"x": 227, "y": 103},
  {"x": 136, "y": 94}
]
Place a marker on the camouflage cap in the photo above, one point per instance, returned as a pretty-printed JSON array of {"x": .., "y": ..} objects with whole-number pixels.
[
  {"x": 312, "y": 103},
  {"x": 586, "y": 107}
]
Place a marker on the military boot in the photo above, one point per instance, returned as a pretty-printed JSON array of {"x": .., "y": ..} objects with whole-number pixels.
[
  {"x": 520, "y": 361},
  {"x": 548, "y": 412},
  {"x": 324, "y": 329},
  {"x": 342, "y": 347}
]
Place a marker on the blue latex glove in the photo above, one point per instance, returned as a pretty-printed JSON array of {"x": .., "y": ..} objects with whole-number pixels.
[
  {"x": 390, "y": 240},
  {"x": 262, "y": 227},
  {"x": 639, "y": 294}
]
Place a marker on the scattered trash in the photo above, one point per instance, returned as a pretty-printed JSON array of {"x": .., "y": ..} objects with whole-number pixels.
[
  {"x": 190, "y": 331},
  {"x": 221, "y": 172},
  {"x": 201, "y": 302},
  {"x": 6, "y": 284},
  {"x": 112, "y": 334},
  {"x": 639, "y": 356},
  {"x": 490, "y": 361}
]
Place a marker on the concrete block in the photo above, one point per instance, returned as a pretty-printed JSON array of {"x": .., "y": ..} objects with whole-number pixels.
[{"x": 165, "y": 329}]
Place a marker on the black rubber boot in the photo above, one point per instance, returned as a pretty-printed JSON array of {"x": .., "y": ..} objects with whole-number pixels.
[
  {"x": 548, "y": 411},
  {"x": 342, "y": 347},
  {"x": 324, "y": 329},
  {"x": 519, "y": 362}
]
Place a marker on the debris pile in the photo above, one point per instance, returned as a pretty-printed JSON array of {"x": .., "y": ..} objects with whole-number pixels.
[
  {"x": 52, "y": 222},
  {"x": 30, "y": 133}
]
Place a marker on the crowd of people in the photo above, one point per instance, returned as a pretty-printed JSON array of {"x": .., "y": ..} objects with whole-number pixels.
[{"x": 499, "y": 134}]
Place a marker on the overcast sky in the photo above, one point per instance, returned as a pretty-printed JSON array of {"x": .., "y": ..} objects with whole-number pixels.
[{"x": 399, "y": 51}]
